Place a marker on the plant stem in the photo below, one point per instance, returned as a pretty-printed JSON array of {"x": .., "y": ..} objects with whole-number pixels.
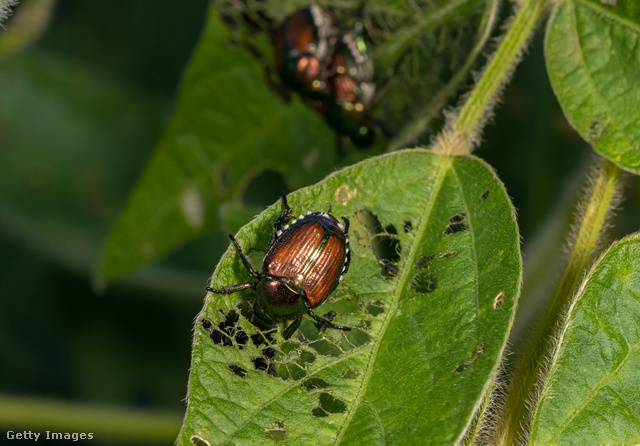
[
  {"x": 478, "y": 106},
  {"x": 30, "y": 21},
  {"x": 530, "y": 370},
  {"x": 19, "y": 413}
]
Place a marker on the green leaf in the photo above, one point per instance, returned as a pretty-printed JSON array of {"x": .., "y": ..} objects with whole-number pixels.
[
  {"x": 591, "y": 391},
  {"x": 593, "y": 59},
  {"x": 228, "y": 127},
  {"x": 425, "y": 340},
  {"x": 231, "y": 126}
]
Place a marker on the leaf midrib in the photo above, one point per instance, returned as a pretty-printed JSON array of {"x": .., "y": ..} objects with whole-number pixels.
[
  {"x": 593, "y": 393},
  {"x": 445, "y": 165}
]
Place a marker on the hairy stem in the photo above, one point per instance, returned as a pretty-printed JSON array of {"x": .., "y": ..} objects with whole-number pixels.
[
  {"x": 19, "y": 413},
  {"x": 480, "y": 102},
  {"x": 514, "y": 424}
]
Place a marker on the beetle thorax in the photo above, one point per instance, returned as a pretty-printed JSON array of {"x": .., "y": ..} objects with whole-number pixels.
[
  {"x": 295, "y": 283},
  {"x": 278, "y": 300}
]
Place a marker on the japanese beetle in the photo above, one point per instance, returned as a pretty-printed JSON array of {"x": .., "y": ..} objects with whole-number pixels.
[
  {"x": 304, "y": 263},
  {"x": 351, "y": 89},
  {"x": 303, "y": 45}
]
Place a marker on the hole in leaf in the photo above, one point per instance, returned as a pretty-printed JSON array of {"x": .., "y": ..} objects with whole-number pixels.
[
  {"x": 198, "y": 441},
  {"x": 319, "y": 413},
  {"x": 424, "y": 262},
  {"x": 206, "y": 324},
  {"x": 425, "y": 282},
  {"x": 221, "y": 338},
  {"x": 269, "y": 352},
  {"x": 384, "y": 241},
  {"x": 241, "y": 338},
  {"x": 485, "y": 195},
  {"x": 306, "y": 357},
  {"x": 408, "y": 226},
  {"x": 375, "y": 307},
  {"x": 469, "y": 362},
  {"x": 498, "y": 300},
  {"x": 326, "y": 348},
  {"x": 288, "y": 371},
  {"x": 262, "y": 338},
  {"x": 354, "y": 338},
  {"x": 278, "y": 433},
  {"x": 237, "y": 370},
  {"x": 597, "y": 128},
  {"x": 226, "y": 330},
  {"x": 456, "y": 224},
  {"x": 246, "y": 309},
  {"x": 287, "y": 347},
  {"x": 350, "y": 373},
  {"x": 331, "y": 404},
  {"x": 315, "y": 383},
  {"x": 296, "y": 372},
  {"x": 260, "y": 363}
]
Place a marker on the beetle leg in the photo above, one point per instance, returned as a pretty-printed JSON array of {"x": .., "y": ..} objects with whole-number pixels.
[
  {"x": 245, "y": 262},
  {"x": 346, "y": 226},
  {"x": 284, "y": 216},
  {"x": 291, "y": 329},
  {"x": 262, "y": 315},
  {"x": 233, "y": 288},
  {"x": 323, "y": 322},
  {"x": 322, "y": 326}
]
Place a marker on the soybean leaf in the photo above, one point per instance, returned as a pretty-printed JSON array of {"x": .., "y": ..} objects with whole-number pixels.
[
  {"x": 422, "y": 51},
  {"x": 228, "y": 127},
  {"x": 430, "y": 296},
  {"x": 230, "y": 124},
  {"x": 591, "y": 391},
  {"x": 593, "y": 59}
]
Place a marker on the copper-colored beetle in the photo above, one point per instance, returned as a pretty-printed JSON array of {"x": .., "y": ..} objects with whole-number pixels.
[
  {"x": 302, "y": 49},
  {"x": 305, "y": 262}
]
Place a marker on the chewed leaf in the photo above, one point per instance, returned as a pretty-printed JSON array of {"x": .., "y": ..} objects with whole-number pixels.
[
  {"x": 591, "y": 391},
  {"x": 228, "y": 128},
  {"x": 414, "y": 342},
  {"x": 593, "y": 58},
  {"x": 234, "y": 122}
]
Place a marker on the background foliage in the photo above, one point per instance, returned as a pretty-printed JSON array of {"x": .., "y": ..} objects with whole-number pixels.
[{"x": 83, "y": 107}]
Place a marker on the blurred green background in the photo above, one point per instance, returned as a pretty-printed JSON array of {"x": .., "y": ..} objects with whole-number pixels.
[{"x": 80, "y": 112}]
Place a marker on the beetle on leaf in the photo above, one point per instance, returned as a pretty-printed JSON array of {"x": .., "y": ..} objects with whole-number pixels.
[{"x": 304, "y": 264}]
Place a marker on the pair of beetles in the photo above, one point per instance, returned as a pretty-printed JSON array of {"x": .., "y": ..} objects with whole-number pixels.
[
  {"x": 330, "y": 68},
  {"x": 304, "y": 263}
]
